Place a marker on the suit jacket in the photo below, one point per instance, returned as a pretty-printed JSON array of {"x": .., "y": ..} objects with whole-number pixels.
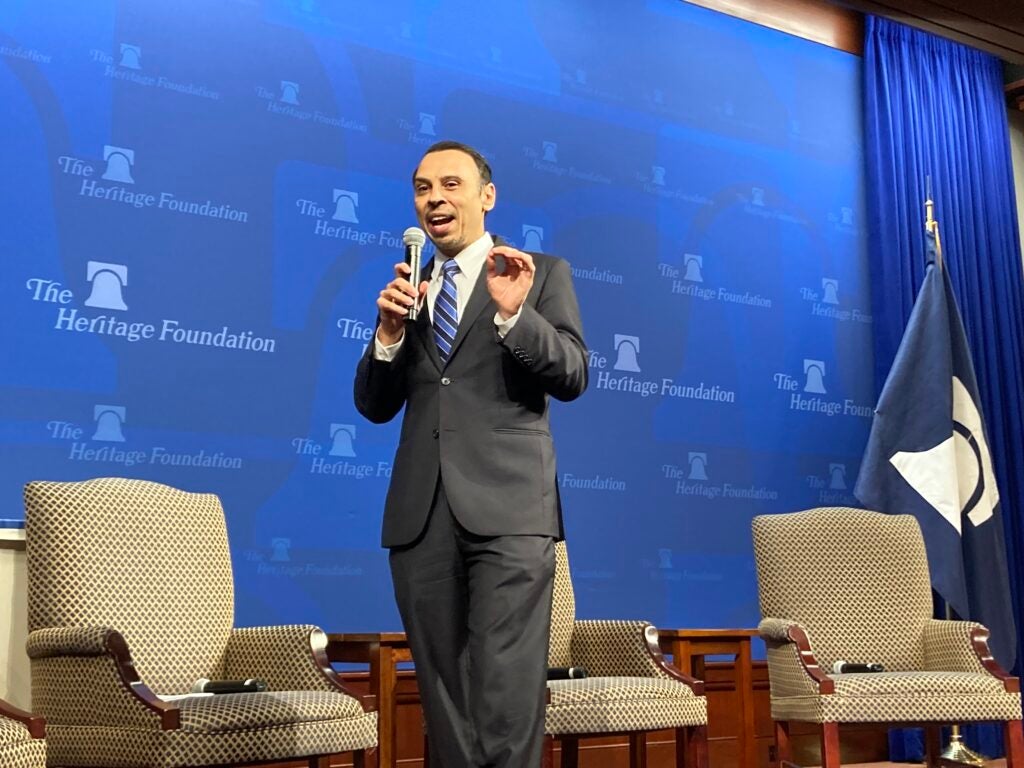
[{"x": 480, "y": 422}]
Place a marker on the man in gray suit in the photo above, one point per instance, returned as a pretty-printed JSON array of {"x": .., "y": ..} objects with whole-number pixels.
[{"x": 473, "y": 510}]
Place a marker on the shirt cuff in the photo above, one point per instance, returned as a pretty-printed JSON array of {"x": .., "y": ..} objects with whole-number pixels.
[
  {"x": 504, "y": 326},
  {"x": 386, "y": 354}
]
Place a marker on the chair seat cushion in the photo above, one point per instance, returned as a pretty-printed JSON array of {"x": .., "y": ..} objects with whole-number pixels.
[
  {"x": 617, "y": 704},
  {"x": 17, "y": 747},
  {"x": 246, "y": 711},
  {"x": 12, "y": 732},
  {"x": 904, "y": 696},
  {"x": 915, "y": 684}
]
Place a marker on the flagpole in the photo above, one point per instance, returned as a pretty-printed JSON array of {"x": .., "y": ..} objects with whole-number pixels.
[
  {"x": 930, "y": 224},
  {"x": 956, "y": 751}
]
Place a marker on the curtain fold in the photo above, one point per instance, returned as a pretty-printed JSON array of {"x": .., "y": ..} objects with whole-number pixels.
[{"x": 936, "y": 108}]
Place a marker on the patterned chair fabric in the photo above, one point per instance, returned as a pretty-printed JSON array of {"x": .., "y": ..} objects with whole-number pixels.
[
  {"x": 856, "y": 583},
  {"x": 138, "y": 565},
  {"x": 628, "y": 688},
  {"x": 18, "y": 747}
]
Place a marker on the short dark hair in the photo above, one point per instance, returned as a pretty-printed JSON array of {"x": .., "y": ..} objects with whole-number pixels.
[{"x": 458, "y": 146}]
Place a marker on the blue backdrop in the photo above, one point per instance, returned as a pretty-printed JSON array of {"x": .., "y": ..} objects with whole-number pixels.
[{"x": 201, "y": 200}]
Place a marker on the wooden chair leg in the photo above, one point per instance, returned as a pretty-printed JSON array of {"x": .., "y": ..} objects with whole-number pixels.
[
  {"x": 932, "y": 745},
  {"x": 1013, "y": 735},
  {"x": 638, "y": 749},
  {"x": 695, "y": 741},
  {"x": 359, "y": 759},
  {"x": 570, "y": 751},
  {"x": 684, "y": 745},
  {"x": 783, "y": 748},
  {"x": 548, "y": 752},
  {"x": 830, "y": 745}
]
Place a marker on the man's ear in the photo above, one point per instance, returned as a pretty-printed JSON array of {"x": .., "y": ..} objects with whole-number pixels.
[{"x": 488, "y": 196}]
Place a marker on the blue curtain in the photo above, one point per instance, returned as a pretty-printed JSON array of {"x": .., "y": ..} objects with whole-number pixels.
[{"x": 934, "y": 107}]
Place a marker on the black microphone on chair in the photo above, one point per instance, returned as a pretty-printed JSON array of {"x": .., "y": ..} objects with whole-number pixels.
[
  {"x": 566, "y": 673},
  {"x": 252, "y": 685},
  {"x": 846, "y": 667},
  {"x": 414, "y": 239}
]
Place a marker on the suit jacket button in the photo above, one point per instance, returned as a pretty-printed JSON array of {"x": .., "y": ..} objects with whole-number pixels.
[
  {"x": 445, "y": 381},
  {"x": 437, "y": 433}
]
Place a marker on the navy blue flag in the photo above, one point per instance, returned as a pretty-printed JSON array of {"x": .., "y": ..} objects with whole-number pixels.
[{"x": 927, "y": 455}]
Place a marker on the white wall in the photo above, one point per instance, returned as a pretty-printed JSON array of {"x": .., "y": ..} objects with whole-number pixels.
[{"x": 14, "y": 675}]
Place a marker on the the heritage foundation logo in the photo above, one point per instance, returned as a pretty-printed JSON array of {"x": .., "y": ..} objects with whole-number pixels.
[
  {"x": 619, "y": 373},
  {"x": 107, "y": 285},
  {"x": 338, "y": 219},
  {"x": 809, "y": 392},
  {"x": 120, "y": 171},
  {"x": 696, "y": 479},
  {"x": 104, "y": 442},
  {"x": 758, "y": 202},
  {"x": 545, "y": 159},
  {"x": 829, "y": 302},
  {"x": 688, "y": 279},
  {"x": 337, "y": 455},
  {"x": 421, "y": 131},
  {"x": 833, "y": 487},
  {"x": 283, "y": 560},
  {"x": 844, "y": 221},
  {"x": 127, "y": 66},
  {"x": 288, "y": 100},
  {"x": 658, "y": 182}
]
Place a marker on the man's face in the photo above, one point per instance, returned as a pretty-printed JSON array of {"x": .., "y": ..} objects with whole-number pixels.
[{"x": 450, "y": 199}]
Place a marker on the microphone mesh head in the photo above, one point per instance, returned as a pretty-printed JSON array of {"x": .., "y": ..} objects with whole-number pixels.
[{"x": 414, "y": 236}]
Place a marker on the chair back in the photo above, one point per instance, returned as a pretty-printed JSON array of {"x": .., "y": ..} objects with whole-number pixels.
[
  {"x": 143, "y": 558},
  {"x": 563, "y": 611},
  {"x": 857, "y": 581}
]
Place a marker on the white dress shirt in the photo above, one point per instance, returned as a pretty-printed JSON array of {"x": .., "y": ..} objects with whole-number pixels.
[{"x": 471, "y": 260}]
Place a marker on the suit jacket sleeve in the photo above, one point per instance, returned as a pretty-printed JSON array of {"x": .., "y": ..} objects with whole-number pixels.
[
  {"x": 547, "y": 339},
  {"x": 379, "y": 387}
]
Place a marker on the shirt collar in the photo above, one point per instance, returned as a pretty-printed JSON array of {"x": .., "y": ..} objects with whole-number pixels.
[{"x": 471, "y": 258}]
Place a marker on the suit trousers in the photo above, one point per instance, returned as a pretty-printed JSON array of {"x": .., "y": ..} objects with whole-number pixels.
[{"x": 477, "y": 613}]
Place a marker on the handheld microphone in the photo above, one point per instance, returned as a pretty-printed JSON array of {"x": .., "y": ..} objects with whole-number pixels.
[
  {"x": 845, "y": 667},
  {"x": 414, "y": 239},
  {"x": 566, "y": 673},
  {"x": 252, "y": 685}
]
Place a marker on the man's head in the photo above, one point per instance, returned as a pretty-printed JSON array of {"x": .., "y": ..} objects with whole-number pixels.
[{"x": 452, "y": 191}]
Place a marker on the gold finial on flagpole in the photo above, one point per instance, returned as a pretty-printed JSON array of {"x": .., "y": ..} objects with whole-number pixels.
[{"x": 930, "y": 224}]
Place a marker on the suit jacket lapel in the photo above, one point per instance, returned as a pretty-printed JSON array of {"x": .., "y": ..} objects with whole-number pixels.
[
  {"x": 479, "y": 299},
  {"x": 424, "y": 329}
]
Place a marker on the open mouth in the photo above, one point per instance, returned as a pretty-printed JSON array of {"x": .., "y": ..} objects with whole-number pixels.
[{"x": 440, "y": 223}]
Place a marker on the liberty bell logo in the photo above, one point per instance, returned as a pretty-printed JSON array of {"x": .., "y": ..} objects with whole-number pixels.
[
  {"x": 119, "y": 164},
  {"x": 698, "y": 466},
  {"x": 814, "y": 370},
  {"x": 694, "y": 264},
  {"x": 533, "y": 238},
  {"x": 109, "y": 419},
  {"x": 342, "y": 440},
  {"x": 627, "y": 349},
  {"x": 345, "y": 205},
  {"x": 107, "y": 280}
]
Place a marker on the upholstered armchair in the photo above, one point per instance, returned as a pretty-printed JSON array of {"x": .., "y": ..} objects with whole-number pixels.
[
  {"x": 131, "y": 600},
  {"x": 630, "y": 689},
  {"x": 21, "y": 738},
  {"x": 852, "y": 585}
]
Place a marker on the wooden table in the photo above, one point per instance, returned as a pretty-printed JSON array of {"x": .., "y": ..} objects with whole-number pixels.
[
  {"x": 383, "y": 651},
  {"x": 689, "y": 647}
]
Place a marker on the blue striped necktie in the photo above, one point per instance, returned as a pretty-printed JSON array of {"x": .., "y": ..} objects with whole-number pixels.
[{"x": 446, "y": 312}]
